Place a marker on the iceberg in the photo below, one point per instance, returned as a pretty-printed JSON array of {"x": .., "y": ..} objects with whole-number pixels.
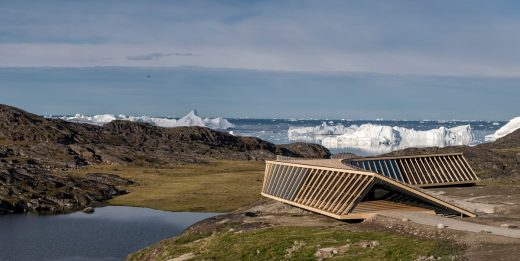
[
  {"x": 379, "y": 138},
  {"x": 512, "y": 125},
  {"x": 313, "y": 133},
  {"x": 218, "y": 123},
  {"x": 193, "y": 119},
  {"x": 190, "y": 119},
  {"x": 95, "y": 119}
]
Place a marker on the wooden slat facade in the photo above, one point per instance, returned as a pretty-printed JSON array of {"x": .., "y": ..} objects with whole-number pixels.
[
  {"x": 422, "y": 170},
  {"x": 335, "y": 190}
]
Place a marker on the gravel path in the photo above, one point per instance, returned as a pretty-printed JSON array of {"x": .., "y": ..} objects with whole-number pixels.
[{"x": 453, "y": 223}]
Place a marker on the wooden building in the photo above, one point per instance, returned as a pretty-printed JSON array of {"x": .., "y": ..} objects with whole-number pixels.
[{"x": 343, "y": 191}]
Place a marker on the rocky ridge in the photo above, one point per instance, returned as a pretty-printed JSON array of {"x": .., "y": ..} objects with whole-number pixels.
[{"x": 34, "y": 150}]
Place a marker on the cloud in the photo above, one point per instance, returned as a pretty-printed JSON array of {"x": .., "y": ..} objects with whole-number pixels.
[
  {"x": 402, "y": 37},
  {"x": 155, "y": 56}
]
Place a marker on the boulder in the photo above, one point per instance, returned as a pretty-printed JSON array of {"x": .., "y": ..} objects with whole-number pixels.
[{"x": 88, "y": 210}]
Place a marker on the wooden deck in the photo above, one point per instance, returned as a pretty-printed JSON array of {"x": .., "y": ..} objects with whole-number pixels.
[{"x": 378, "y": 206}]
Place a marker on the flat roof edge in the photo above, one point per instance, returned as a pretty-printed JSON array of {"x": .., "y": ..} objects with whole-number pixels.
[{"x": 403, "y": 157}]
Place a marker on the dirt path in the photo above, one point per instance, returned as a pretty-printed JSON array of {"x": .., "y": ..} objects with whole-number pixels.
[{"x": 453, "y": 223}]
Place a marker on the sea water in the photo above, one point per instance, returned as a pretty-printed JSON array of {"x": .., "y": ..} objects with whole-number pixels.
[{"x": 276, "y": 130}]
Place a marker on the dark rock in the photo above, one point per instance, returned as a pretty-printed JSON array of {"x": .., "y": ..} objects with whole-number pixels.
[
  {"x": 27, "y": 188},
  {"x": 250, "y": 214},
  {"x": 109, "y": 179},
  {"x": 6, "y": 152},
  {"x": 304, "y": 150},
  {"x": 88, "y": 210}
]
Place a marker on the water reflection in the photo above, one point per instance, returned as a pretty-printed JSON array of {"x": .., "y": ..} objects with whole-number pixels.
[{"x": 111, "y": 233}]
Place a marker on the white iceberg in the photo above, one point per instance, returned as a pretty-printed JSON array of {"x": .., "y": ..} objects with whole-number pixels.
[
  {"x": 313, "y": 133},
  {"x": 191, "y": 119},
  {"x": 511, "y": 126},
  {"x": 95, "y": 119},
  {"x": 218, "y": 123},
  {"x": 379, "y": 138}
]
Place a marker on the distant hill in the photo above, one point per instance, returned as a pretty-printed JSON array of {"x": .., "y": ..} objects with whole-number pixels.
[
  {"x": 75, "y": 144},
  {"x": 34, "y": 149}
]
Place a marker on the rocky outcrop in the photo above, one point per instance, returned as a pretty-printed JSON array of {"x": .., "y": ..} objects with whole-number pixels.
[
  {"x": 65, "y": 144},
  {"x": 28, "y": 188},
  {"x": 303, "y": 150},
  {"x": 34, "y": 149}
]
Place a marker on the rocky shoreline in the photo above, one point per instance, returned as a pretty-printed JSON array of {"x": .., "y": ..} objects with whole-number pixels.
[{"x": 27, "y": 188}]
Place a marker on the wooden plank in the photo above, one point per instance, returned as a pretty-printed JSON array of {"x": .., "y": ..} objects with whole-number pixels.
[
  {"x": 456, "y": 168},
  {"x": 368, "y": 183},
  {"x": 319, "y": 188},
  {"x": 347, "y": 177},
  {"x": 448, "y": 183},
  {"x": 345, "y": 193},
  {"x": 428, "y": 197},
  {"x": 326, "y": 182},
  {"x": 437, "y": 170},
  {"x": 370, "y": 166},
  {"x": 348, "y": 195},
  {"x": 298, "y": 180},
  {"x": 393, "y": 167},
  {"x": 462, "y": 170},
  {"x": 388, "y": 171},
  {"x": 274, "y": 176},
  {"x": 330, "y": 188},
  {"x": 280, "y": 185},
  {"x": 338, "y": 181},
  {"x": 404, "y": 162},
  {"x": 309, "y": 187},
  {"x": 302, "y": 206},
  {"x": 359, "y": 189},
  {"x": 315, "y": 187},
  {"x": 375, "y": 206},
  {"x": 451, "y": 168},
  {"x": 350, "y": 170},
  {"x": 444, "y": 171},
  {"x": 304, "y": 184},
  {"x": 281, "y": 175},
  {"x": 403, "y": 157},
  {"x": 286, "y": 187},
  {"x": 429, "y": 169},
  {"x": 460, "y": 159},
  {"x": 266, "y": 174},
  {"x": 291, "y": 182},
  {"x": 419, "y": 167},
  {"x": 471, "y": 172}
]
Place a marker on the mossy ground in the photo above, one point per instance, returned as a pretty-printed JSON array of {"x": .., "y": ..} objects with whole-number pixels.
[
  {"x": 274, "y": 244},
  {"x": 223, "y": 186},
  {"x": 219, "y": 186}
]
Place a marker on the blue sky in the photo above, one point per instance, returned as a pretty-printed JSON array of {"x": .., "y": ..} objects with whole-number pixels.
[{"x": 343, "y": 59}]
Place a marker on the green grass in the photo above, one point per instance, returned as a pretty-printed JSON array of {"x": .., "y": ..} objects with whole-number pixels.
[
  {"x": 219, "y": 186},
  {"x": 273, "y": 243}
]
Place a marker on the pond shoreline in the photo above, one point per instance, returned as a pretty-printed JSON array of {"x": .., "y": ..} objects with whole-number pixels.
[{"x": 110, "y": 233}]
